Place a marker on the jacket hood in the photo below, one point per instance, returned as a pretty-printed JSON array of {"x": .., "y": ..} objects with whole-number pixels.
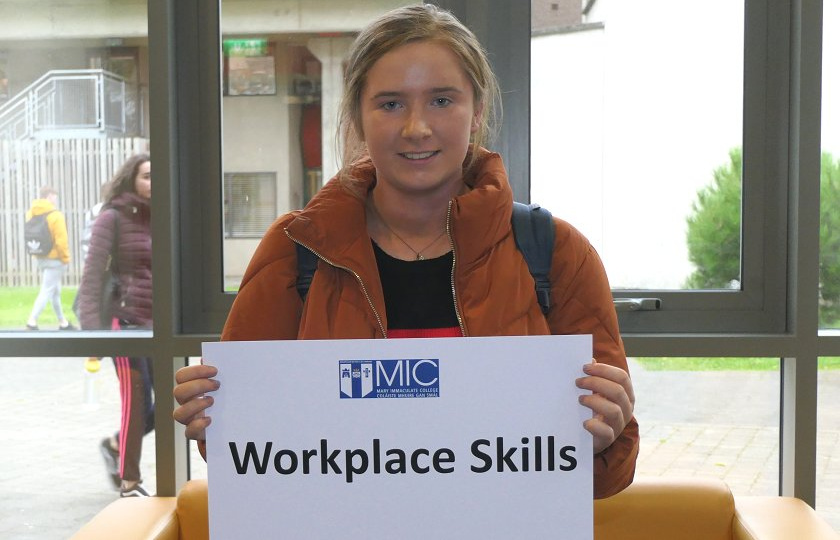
[
  {"x": 130, "y": 203},
  {"x": 41, "y": 206}
]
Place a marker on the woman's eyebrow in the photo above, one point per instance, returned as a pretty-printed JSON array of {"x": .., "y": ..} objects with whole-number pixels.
[
  {"x": 386, "y": 93},
  {"x": 435, "y": 90},
  {"x": 445, "y": 89}
]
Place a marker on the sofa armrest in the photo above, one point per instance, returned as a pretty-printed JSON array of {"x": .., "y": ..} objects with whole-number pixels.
[
  {"x": 192, "y": 511},
  {"x": 685, "y": 508},
  {"x": 778, "y": 518},
  {"x": 133, "y": 518}
]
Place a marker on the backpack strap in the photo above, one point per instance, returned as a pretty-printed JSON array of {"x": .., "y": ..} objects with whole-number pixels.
[
  {"x": 115, "y": 247},
  {"x": 533, "y": 231},
  {"x": 307, "y": 262}
]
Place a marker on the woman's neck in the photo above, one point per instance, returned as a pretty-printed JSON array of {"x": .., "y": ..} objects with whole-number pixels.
[{"x": 408, "y": 227}]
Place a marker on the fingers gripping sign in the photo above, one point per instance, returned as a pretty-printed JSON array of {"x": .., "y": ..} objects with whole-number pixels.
[
  {"x": 192, "y": 384},
  {"x": 612, "y": 401}
]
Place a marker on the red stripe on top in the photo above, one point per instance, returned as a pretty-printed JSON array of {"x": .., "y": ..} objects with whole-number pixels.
[{"x": 452, "y": 331}]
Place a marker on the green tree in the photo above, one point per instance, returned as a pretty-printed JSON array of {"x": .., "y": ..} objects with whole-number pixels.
[
  {"x": 714, "y": 229},
  {"x": 829, "y": 241},
  {"x": 714, "y": 233}
]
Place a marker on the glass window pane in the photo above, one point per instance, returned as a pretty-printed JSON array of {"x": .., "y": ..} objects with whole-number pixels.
[
  {"x": 686, "y": 428},
  {"x": 281, "y": 87},
  {"x": 74, "y": 106},
  {"x": 54, "y": 413},
  {"x": 830, "y": 173},
  {"x": 828, "y": 441},
  {"x": 72, "y": 110},
  {"x": 639, "y": 112}
]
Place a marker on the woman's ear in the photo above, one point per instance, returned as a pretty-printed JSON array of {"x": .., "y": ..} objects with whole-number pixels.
[{"x": 476, "y": 118}]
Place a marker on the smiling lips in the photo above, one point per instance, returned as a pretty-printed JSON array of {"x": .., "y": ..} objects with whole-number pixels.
[{"x": 418, "y": 155}]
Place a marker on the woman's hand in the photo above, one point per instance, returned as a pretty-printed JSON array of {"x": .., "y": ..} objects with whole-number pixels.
[
  {"x": 611, "y": 401},
  {"x": 193, "y": 383}
]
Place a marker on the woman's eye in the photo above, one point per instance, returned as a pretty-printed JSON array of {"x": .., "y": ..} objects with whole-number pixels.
[
  {"x": 389, "y": 106},
  {"x": 442, "y": 101}
]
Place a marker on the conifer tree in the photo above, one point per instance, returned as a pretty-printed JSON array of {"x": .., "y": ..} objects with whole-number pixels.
[
  {"x": 714, "y": 229},
  {"x": 829, "y": 241},
  {"x": 714, "y": 234}
]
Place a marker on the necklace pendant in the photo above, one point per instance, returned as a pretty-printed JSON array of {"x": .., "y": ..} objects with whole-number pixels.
[{"x": 420, "y": 257}]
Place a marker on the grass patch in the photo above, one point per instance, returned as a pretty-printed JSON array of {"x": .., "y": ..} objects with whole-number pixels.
[
  {"x": 16, "y": 303},
  {"x": 830, "y": 362},
  {"x": 708, "y": 364},
  {"x": 723, "y": 364}
]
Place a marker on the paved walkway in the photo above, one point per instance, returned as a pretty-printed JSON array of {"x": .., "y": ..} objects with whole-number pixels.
[
  {"x": 52, "y": 477},
  {"x": 52, "y": 480},
  {"x": 726, "y": 425}
]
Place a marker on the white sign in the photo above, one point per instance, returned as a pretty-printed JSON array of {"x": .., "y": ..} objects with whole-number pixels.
[{"x": 400, "y": 438}]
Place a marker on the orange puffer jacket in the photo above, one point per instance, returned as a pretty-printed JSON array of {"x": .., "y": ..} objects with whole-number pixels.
[{"x": 493, "y": 289}]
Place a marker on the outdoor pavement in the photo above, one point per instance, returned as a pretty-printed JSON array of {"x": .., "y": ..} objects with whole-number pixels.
[{"x": 53, "y": 415}]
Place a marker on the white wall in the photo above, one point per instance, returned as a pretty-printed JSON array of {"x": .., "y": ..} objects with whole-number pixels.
[{"x": 60, "y": 19}]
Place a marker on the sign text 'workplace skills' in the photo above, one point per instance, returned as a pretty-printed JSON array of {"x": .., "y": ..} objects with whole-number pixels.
[{"x": 352, "y": 437}]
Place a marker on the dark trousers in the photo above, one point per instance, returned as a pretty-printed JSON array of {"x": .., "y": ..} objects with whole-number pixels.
[{"x": 137, "y": 411}]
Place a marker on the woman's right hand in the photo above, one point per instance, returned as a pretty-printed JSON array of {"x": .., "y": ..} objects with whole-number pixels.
[{"x": 192, "y": 385}]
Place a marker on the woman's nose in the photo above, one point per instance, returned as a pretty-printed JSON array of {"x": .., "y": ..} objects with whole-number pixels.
[{"x": 416, "y": 127}]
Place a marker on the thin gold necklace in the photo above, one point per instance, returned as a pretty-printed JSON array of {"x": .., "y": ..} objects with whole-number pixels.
[{"x": 418, "y": 253}]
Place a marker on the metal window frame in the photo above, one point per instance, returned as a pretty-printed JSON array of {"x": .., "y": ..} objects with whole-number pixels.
[
  {"x": 759, "y": 307},
  {"x": 773, "y": 315}
]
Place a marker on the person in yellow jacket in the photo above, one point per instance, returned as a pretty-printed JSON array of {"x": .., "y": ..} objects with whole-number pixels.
[{"x": 51, "y": 265}]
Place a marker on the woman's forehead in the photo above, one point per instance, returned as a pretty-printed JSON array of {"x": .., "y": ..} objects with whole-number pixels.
[{"x": 417, "y": 66}]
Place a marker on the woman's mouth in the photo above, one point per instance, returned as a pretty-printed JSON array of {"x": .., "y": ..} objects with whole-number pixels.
[{"x": 418, "y": 155}]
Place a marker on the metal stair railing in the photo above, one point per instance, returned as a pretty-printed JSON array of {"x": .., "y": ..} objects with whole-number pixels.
[{"x": 60, "y": 100}]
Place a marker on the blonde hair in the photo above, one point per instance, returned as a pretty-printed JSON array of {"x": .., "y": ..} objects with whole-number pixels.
[{"x": 424, "y": 22}]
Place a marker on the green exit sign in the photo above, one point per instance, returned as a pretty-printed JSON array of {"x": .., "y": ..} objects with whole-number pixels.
[{"x": 245, "y": 47}]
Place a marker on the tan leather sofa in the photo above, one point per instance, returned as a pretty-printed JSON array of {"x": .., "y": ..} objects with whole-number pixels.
[{"x": 652, "y": 508}]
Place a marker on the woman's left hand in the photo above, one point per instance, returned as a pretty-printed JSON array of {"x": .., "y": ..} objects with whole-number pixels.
[{"x": 612, "y": 401}]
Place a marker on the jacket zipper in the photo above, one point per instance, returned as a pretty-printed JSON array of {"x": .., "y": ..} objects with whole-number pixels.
[
  {"x": 357, "y": 276},
  {"x": 452, "y": 273}
]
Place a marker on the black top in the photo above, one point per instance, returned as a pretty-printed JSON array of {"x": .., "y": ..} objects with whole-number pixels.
[{"x": 418, "y": 294}]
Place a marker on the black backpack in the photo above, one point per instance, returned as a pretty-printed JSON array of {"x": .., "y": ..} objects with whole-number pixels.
[
  {"x": 37, "y": 235},
  {"x": 533, "y": 231}
]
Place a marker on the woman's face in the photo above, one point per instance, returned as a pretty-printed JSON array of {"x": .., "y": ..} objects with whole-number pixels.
[
  {"x": 417, "y": 115},
  {"x": 143, "y": 180}
]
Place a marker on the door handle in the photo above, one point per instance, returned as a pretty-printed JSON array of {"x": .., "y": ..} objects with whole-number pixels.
[{"x": 637, "y": 304}]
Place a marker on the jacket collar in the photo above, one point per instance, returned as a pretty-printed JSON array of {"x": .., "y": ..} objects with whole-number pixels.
[
  {"x": 480, "y": 218},
  {"x": 130, "y": 203},
  {"x": 333, "y": 224}
]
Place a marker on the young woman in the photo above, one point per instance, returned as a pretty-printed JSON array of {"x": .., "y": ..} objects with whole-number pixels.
[
  {"x": 414, "y": 235},
  {"x": 121, "y": 243}
]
